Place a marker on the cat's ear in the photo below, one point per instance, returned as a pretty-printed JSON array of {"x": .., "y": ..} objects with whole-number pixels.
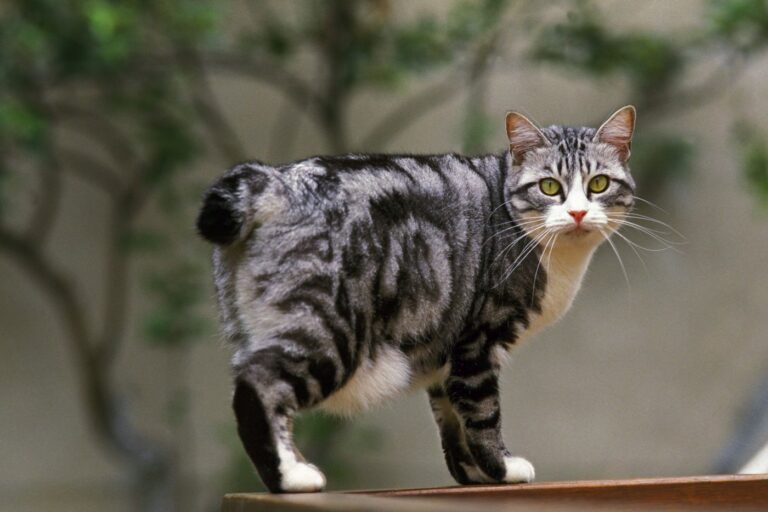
[
  {"x": 523, "y": 135},
  {"x": 617, "y": 131}
]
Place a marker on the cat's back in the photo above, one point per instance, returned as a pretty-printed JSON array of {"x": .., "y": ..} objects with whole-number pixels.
[
  {"x": 382, "y": 181},
  {"x": 387, "y": 246}
]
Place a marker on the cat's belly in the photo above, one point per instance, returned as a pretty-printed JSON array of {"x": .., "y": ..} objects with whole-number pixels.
[
  {"x": 376, "y": 380},
  {"x": 373, "y": 381}
]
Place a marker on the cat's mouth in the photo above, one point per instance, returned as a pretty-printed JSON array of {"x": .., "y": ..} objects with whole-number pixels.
[{"x": 579, "y": 231}]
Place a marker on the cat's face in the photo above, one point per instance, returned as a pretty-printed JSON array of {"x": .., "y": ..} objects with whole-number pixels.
[{"x": 570, "y": 185}]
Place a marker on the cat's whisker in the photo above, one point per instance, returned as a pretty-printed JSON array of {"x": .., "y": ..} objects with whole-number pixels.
[
  {"x": 549, "y": 260},
  {"x": 525, "y": 222},
  {"x": 500, "y": 232},
  {"x": 623, "y": 219},
  {"x": 632, "y": 246},
  {"x": 637, "y": 216},
  {"x": 503, "y": 204},
  {"x": 618, "y": 256},
  {"x": 515, "y": 241},
  {"x": 667, "y": 244},
  {"x": 644, "y": 248},
  {"x": 532, "y": 243},
  {"x": 644, "y": 229},
  {"x": 516, "y": 224},
  {"x": 541, "y": 259},
  {"x": 531, "y": 246},
  {"x": 649, "y": 203}
]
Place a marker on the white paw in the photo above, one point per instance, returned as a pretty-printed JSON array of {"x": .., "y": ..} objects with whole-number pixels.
[
  {"x": 302, "y": 477},
  {"x": 518, "y": 470}
]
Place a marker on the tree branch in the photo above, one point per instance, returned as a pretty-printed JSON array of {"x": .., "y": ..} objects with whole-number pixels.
[
  {"x": 223, "y": 135},
  {"x": 415, "y": 107},
  {"x": 101, "y": 129},
  {"x": 60, "y": 291},
  {"x": 48, "y": 201},
  {"x": 90, "y": 170},
  {"x": 271, "y": 73}
]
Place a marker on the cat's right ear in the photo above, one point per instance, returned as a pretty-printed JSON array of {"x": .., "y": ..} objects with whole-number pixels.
[{"x": 523, "y": 135}]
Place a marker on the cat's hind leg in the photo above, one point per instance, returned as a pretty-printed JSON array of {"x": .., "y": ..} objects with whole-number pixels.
[{"x": 270, "y": 388}]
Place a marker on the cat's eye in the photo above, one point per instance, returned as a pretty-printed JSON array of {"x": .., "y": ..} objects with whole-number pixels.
[
  {"x": 599, "y": 183},
  {"x": 549, "y": 186}
]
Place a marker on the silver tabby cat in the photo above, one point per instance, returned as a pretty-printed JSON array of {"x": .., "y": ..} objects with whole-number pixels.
[{"x": 345, "y": 280}]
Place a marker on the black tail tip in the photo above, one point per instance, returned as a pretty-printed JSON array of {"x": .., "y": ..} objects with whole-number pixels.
[{"x": 219, "y": 221}]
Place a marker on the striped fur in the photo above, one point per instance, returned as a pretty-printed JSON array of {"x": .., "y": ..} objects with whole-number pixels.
[{"x": 343, "y": 281}]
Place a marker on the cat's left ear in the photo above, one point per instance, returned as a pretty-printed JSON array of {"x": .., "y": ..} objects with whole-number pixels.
[
  {"x": 523, "y": 135},
  {"x": 617, "y": 131}
]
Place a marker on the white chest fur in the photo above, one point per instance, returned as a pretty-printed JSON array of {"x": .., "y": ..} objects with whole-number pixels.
[{"x": 565, "y": 268}]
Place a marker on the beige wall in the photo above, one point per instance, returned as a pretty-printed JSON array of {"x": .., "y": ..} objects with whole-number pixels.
[{"x": 640, "y": 380}]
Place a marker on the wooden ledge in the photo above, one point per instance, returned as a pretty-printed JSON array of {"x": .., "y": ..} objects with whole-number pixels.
[{"x": 710, "y": 493}]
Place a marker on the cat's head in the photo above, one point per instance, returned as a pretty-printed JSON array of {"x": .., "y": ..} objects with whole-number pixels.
[{"x": 570, "y": 182}]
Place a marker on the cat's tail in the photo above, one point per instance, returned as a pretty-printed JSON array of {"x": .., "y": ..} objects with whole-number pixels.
[{"x": 238, "y": 202}]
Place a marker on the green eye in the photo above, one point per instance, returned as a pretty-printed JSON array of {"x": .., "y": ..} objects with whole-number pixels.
[
  {"x": 599, "y": 183},
  {"x": 549, "y": 186}
]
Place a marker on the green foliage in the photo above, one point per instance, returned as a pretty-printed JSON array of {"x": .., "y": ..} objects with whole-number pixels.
[
  {"x": 478, "y": 128},
  {"x": 754, "y": 149},
  {"x": 176, "y": 292},
  {"x": 22, "y": 125},
  {"x": 587, "y": 43},
  {"x": 740, "y": 23},
  {"x": 373, "y": 49},
  {"x": 659, "y": 160}
]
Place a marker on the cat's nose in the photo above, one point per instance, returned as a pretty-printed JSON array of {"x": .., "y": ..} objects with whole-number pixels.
[{"x": 577, "y": 215}]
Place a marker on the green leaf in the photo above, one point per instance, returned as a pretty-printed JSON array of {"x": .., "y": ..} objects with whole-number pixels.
[{"x": 754, "y": 154}]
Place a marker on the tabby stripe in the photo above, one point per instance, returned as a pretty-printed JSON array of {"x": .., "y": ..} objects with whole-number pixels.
[
  {"x": 471, "y": 367},
  {"x": 339, "y": 337},
  {"x": 622, "y": 183},
  {"x": 320, "y": 283},
  {"x": 324, "y": 372},
  {"x": 310, "y": 246},
  {"x": 522, "y": 188},
  {"x": 458, "y": 389},
  {"x": 303, "y": 338},
  {"x": 256, "y": 433},
  {"x": 298, "y": 384},
  {"x": 491, "y": 421}
]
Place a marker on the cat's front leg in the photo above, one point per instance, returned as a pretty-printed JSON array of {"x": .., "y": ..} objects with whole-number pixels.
[
  {"x": 473, "y": 390},
  {"x": 460, "y": 463}
]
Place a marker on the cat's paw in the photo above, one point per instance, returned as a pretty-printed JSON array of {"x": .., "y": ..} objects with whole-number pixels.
[
  {"x": 519, "y": 470},
  {"x": 474, "y": 475},
  {"x": 302, "y": 477}
]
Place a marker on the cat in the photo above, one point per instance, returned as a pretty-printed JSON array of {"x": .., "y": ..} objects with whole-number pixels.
[{"x": 344, "y": 280}]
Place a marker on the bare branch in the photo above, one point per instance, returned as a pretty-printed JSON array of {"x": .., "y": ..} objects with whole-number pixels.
[
  {"x": 48, "y": 199},
  {"x": 704, "y": 92},
  {"x": 271, "y": 73},
  {"x": 99, "y": 128},
  {"x": 413, "y": 108},
  {"x": 284, "y": 130},
  {"x": 116, "y": 287},
  {"x": 90, "y": 170},
  {"x": 223, "y": 135},
  {"x": 60, "y": 291}
]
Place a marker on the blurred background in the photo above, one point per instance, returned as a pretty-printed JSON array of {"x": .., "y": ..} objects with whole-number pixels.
[{"x": 114, "y": 115}]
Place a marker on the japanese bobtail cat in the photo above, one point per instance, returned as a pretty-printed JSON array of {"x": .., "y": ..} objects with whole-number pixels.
[{"x": 345, "y": 280}]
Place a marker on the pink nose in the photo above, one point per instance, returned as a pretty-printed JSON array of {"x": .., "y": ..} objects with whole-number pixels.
[{"x": 577, "y": 215}]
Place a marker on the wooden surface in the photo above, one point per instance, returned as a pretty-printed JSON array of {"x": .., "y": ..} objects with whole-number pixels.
[{"x": 740, "y": 493}]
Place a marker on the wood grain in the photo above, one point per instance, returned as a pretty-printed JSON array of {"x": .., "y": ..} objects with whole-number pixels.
[{"x": 710, "y": 493}]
